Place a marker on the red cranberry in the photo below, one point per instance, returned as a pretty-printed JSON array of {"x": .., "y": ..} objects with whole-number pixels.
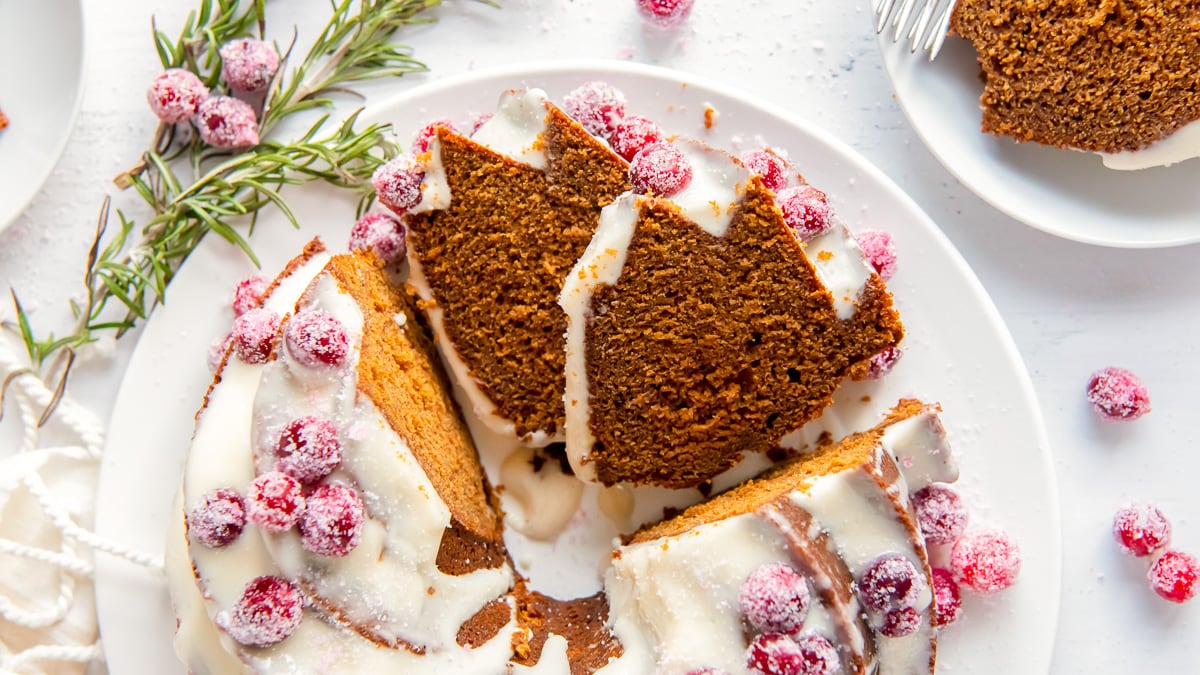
[
  {"x": 226, "y": 122},
  {"x": 632, "y": 134},
  {"x": 248, "y": 65},
  {"x": 275, "y": 501},
  {"x": 427, "y": 133},
  {"x": 398, "y": 183},
  {"x": 1118, "y": 394},
  {"x": 665, "y": 13},
  {"x": 940, "y": 513},
  {"x": 218, "y": 519},
  {"x": 890, "y": 582},
  {"x": 770, "y": 167},
  {"x": 249, "y": 294},
  {"x": 216, "y": 352},
  {"x": 775, "y": 598},
  {"x": 269, "y": 610},
  {"x": 947, "y": 599},
  {"x": 1173, "y": 576},
  {"x": 333, "y": 520},
  {"x": 661, "y": 169},
  {"x": 805, "y": 210},
  {"x": 986, "y": 561},
  {"x": 598, "y": 106},
  {"x": 1141, "y": 529},
  {"x": 253, "y": 335},
  {"x": 818, "y": 656},
  {"x": 381, "y": 233},
  {"x": 774, "y": 654},
  {"x": 308, "y": 449},
  {"x": 175, "y": 95},
  {"x": 901, "y": 622},
  {"x": 882, "y": 363},
  {"x": 316, "y": 338},
  {"x": 880, "y": 250}
]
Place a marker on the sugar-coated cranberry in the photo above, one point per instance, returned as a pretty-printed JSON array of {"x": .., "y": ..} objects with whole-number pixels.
[
  {"x": 275, "y": 501},
  {"x": 665, "y": 13},
  {"x": 175, "y": 95},
  {"x": 398, "y": 183},
  {"x": 770, "y": 167},
  {"x": 1141, "y": 529},
  {"x": 805, "y": 210},
  {"x": 216, "y": 352},
  {"x": 882, "y": 363},
  {"x": 333, "y": 520},
  {"x": 901, "y": 622},
  {"x": 1118, "y": 394},
  {"x": 661, "y": 169},
  {"x": 316, "y": 338},
  {"x": 248, "y": 294},
  {"x": 381, "y": 233},
  {"x": 308, "y": 449},
  {"x": 253, "y": 335},
  {"x": 774, "y": 654},
  {"x": 269, "y": 610},
  {"x": 427, "y": 133},
  {"x": 986, "y": 561},
  {"x": 247, "y": 65},
  {"x": 940, "y": 513},
  {"x": 218, "y": 519},
  {"x": 632, "y": 134},
  {"x": 1173, "y": 576},
  {"x": 947, "y": 599},
  {"x": 880, "y": 249},
  {"x": 818, "y": 656},
  {"x": 891, "y": 581},
  {"x": 478, "y": 120},
  {"x": 598, "y": 106},
  {"x": 226, "y": 122},
  {"x": 775, "y": 598}
]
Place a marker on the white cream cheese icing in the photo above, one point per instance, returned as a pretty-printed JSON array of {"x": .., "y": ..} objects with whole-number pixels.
[
  {"x": 516, "y": 129},
  {"x": 1182, "y": 145},
  {"x": 841, "y": 266},
  {"x": 540, "y": 502}
]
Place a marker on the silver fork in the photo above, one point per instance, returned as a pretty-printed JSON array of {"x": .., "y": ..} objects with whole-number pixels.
[{"x": 925, "y": 29}]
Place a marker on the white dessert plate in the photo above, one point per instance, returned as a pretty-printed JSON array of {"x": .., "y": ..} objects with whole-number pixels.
[
  {"x": 958, "y": 352},
  {"x": 41, "y": 84},
  {"x": 1063, "y": 192}
]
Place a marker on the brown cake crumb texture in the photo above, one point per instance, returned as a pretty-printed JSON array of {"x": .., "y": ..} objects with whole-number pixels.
[
  {"x": 581, "y": 622},
  {"x": 496, "y": 259},
  {"x": 707, "y": 348},
  {"x": 1097, "y": 75}
]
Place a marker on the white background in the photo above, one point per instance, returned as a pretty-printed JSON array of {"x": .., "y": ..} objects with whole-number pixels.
[{"x": 1072, "y": 308}]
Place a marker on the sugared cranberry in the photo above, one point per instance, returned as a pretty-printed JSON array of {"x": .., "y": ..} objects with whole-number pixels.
[
  {"x": 1141, "y": 529},
  {"x": 598, "y": 106},
  {"x": 940, "y": 513},
  {"x": 381, "y": 233},
  {"x": 901, "y": 622},
  {"x": 216, "y": 352},
  {"x": 247, "y": 65},
  {"x": 275, "y": 501},
  {"x": 175, "y": 95},
  {"x": 253, "y": 335},
  {"x": 890, "y": 582},
  {"x": 1173, "y": 576},
  {"x": 882, "y": 363},
  {"x": 428, "y": 132},
  {"x": 333, "y": 520},
  {"x": 632, "y": 134},
  {"x": 478, "y": 120},
  {"x": 316, "y": 338},
  {"x": 986, "y": 561},
  {"x": 308, "y": 449},
  {"x": 218, "y": 519},
  {"x": 398, "y": 183},
  {"x": 248, "y": 294},
  {"x": 665, "y": 13},
  {"x": 226, "y": 122},
  {"x": 947, "y": 599},
  {"x": 269, "y": 610},
  {"x": 880, "y": 250},
  {"x": 805, "y": 210},
  {"x": 775, "y": 598},
  {"x": 770, "y": 167},
  {"x": 1118, "y": 394},
  {"x": 774, "y": 654},
  {"x": 661, "y": 169},
  {"x": 818, "y": 656}
]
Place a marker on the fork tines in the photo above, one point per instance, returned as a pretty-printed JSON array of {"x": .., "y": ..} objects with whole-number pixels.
[{"x": 924, "y": 29}]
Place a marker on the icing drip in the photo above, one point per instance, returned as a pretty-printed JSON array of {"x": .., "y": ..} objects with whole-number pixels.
[
  {"x": 841, "y": 266},
  {"x": 539, "y": 502},
  {"x": 515, "y": 131},
  {"x": 1180, "y": 146}
]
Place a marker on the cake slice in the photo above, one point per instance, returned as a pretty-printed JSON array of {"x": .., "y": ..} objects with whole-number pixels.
[{"x": 702, "y": 328}]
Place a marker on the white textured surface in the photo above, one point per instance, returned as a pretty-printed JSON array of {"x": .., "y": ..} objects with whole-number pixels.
[{"x": 1072, "y": 308}]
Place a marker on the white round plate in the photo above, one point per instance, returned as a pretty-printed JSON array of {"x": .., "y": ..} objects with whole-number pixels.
[
  {"x": 1063, "y": 192},
  {"x": 958, "y": 352},
  {"x": 41, "y": 83}
]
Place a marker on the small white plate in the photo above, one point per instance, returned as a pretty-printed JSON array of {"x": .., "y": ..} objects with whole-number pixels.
[
  {"x": 1063, "y": 192},
  {"x": 41, "y": 83},
  {"x": 958, "y": 352}
]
